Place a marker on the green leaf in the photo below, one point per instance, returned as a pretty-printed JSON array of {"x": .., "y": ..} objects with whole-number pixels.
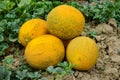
[
  {"x": 3, "y": 24},
  {"x": 67, "y": 67},
  {"x": 24, "y": 3},
  {"x": 4, "y": 73},
  {"x": 38, "y": 12},
  {"x": 73, "y": 3},
  {"x": 2, "y": 70},
  {"x": 8, "y": 59},
  {"x": 43, "y": 78},
  {"x": 21, "y": 74},
  {"x": 50, "y": 69},
  {"x": 59, "y": 70},
  {"x": 10, "y": 15},
  {"x": 56, "y": 3},
  {"x": 1, "y": 30},
  {"x": 1, "y": 37},
  {"x": 3, "y": 46},
  {"x": 64, "y": 64},
  {"x": 103, "y": 68},
  {"x": 13, "y": 37},
  {"x": 92, "y": 33},
  {"x": 30, "y": 75},
  {"x": 6, "y": 5},
  {"x": 34, "y": 75}
]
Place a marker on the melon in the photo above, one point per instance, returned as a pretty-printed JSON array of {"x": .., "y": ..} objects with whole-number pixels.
[
  {"x": 65, "y": 22},
  {"x": 32, "y": 29},
  {"x": 83, "y": 52},
  {"x": 44, "y": 51}
]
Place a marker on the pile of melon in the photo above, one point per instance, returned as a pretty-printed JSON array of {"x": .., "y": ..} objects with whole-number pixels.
[{"x": 48, "y": 42}]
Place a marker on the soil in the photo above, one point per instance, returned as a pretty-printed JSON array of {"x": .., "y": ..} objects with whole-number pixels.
[{"x": 108, "y": 64}]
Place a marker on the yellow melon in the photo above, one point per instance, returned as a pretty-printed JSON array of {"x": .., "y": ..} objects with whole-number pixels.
[
  {"x": 82, "y": 52},
  {"x": 44, "y": 51},
  {"x": 32, "y": 29},
  {"x": 65, "y": 22}
]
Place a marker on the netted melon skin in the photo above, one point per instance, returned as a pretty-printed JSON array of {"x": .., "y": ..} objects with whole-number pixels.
[{"x": 65, "y": 22}]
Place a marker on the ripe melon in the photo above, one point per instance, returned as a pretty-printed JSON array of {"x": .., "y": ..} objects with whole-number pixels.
[
  {"x": 65, "y": 22},
  {"x": 44, "y": 51},
  {"x": 82, "y": 52},
  {"x": 32, "y": 29}
]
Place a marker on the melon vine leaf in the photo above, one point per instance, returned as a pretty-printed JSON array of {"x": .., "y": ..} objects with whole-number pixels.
[
  {"x": 1, "y": 37},
  {"x": 3, "y": 46},
  {"x": 8, "y": 59},
  {"x": 4, "y": 73}
]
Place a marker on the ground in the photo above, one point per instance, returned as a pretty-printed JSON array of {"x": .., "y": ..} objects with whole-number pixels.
[
  {"x": 108, "y": 64},
  {"x": 107, "y": 37}
]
